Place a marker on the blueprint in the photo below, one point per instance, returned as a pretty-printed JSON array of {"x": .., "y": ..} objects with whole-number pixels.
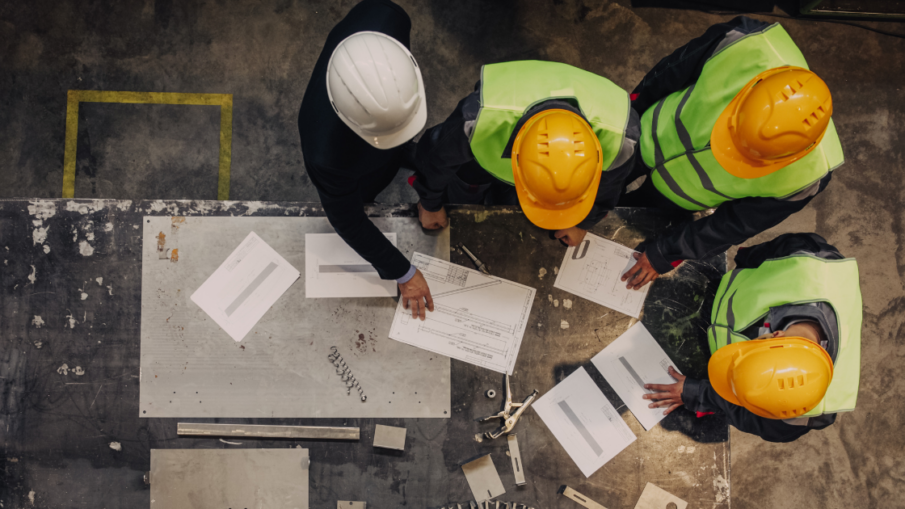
[
  {"x": 631, "y": 361},
  {"x": 593, "y": 270},
  {"x": 477, "y": 318}
]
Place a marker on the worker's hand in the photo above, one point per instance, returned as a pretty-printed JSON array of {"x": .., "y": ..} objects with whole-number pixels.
[
  {"x": 432, "y": 220},
  {"x": 571, "y": 236},
  {"x": 415, "y": 293},
  {"x": 667, "y": 395},
  {"x": 641, "y": 273}
]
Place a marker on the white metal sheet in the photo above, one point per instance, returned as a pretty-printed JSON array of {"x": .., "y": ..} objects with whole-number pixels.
[{"x": 192, "y": 368}]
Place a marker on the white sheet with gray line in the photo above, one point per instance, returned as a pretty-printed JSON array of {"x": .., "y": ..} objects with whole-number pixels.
[
  {"x": 584, "y": 422},
  {"x": 191, "y": 368},
  {"x": 631, "y": 361},
  {"x": 250, "y": 280},
  {"x": 333, "y": 269}
]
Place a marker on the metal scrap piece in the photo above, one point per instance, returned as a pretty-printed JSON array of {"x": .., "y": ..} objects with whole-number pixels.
[
  {"x": 578, "y": 497},
  {"x": 244, "y": 430}
]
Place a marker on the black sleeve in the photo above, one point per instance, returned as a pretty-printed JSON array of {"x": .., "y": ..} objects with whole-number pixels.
[
  {"x": 785, "y": 245},
  {"x": 733, "y": 223},
  {"x": 442, "y": 150},
  {"x": 683, "y": 67},
  {"x": 345, "y": 211},
  {"x": 699, "y": 396},
  {"x": 612, "y": 182}
]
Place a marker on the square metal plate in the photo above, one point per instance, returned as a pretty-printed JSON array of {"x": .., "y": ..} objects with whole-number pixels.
[
  {"x": 192, "y": 368},
  {"x": 218, "y": 479}
]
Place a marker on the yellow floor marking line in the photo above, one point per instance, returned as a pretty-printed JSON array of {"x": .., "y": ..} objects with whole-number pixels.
[{"x": 224, "y": 101}]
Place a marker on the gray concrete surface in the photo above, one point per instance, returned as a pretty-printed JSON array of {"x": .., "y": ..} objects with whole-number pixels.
[{"x": 262, "y": 53}]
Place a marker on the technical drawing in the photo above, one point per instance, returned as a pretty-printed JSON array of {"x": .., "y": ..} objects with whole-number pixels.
[
  {"x": 594, "y": 269},
  {"x": 477, "y": 318}
]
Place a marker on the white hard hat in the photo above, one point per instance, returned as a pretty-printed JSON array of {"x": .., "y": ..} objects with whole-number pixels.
[{"x": 375, "y": 86}]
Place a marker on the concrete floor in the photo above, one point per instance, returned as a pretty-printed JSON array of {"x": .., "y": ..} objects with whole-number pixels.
[{"x": 262, "y": 52}]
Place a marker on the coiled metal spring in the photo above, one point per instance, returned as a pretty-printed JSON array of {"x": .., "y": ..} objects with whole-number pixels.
[{"x": 345, "y": 373}]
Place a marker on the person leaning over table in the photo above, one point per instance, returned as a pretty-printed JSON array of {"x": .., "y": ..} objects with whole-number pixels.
[
  {"x": 785, "y": 341},
  {"x": 364, "y": 102},
  {"x": 732, "y": 120},
  {"x": 555, "y": 139}
]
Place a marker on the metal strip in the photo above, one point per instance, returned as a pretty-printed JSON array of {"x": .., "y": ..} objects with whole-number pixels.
[
  {"x": 581, "y": 499},
  {"x": 518, "y": 468},
  {"x": 242, "y": 430}
]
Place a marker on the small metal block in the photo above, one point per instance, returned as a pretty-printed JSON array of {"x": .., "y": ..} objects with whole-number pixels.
[{"x": 389, "y": 437}]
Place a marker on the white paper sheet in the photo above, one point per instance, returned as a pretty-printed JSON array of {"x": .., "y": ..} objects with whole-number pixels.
[
  {"x": 635, "y": 359},
  {"x": 593, "y": 270},
  {"x": 333, "y": 269},
  {"x": 244, "y": 287},
  {"x": 477, "y": 318},
  {"x": 584, "y": 422}
]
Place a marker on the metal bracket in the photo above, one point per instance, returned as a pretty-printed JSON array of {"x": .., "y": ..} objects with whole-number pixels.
[
  {"x": 518, "y": 468},
  {"x": 578, "y": 497}
]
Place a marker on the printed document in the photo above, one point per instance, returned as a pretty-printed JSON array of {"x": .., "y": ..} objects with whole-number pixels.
[
  {"x": 244, "y": 287},
  {"x": 477, "y": 318},
  {"x": 333, "y": 269},
  {"x": 635, "y": 359},
  {"x": 593, "y": 270},
  {"x": 584, "y": 422}
]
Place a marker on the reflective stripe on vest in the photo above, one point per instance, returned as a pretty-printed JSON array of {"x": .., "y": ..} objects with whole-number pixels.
[
  {"x": 745, "y": 296},
  {"x": 510, "y": 89},
  {"x": 675, "y": 132}
]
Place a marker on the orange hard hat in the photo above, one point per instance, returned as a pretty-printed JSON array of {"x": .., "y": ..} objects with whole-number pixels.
[
  {"x": 556, "y": 165},
  {"x": 778, "y": 378},
  {"x": 776, "y": 119}
]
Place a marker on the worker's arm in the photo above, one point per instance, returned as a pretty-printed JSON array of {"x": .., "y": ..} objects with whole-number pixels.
[
  {"x": 699, "y": 396},
  {"x": 733, "y": 223},
  {"x": 346, "y": 214},
  {"x": 683, "y": 67},
  {"x": 442, "y": 150},
  {"x": 785, "y": 245}
]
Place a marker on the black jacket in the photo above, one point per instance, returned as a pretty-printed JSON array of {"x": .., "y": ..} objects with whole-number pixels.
[
  {"x": 735, "y": 221},
  {"x": 444, "y": 153},
  {"x": 699, "y": 395},
  {"x": 343, "y": 167}
]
